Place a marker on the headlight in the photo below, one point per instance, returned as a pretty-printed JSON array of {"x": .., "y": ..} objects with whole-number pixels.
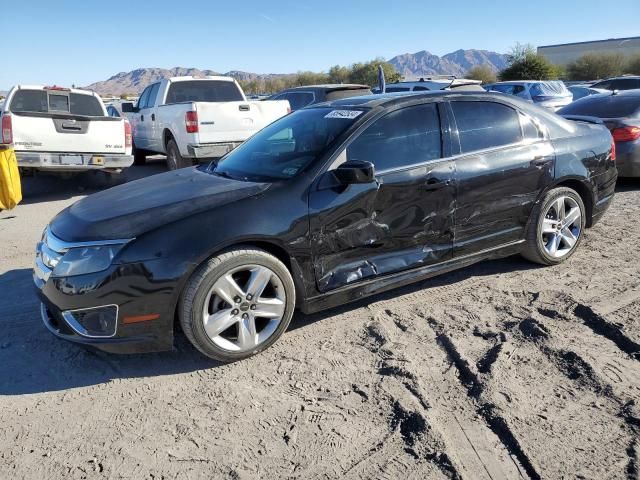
[{"x": 83, "y": 260}]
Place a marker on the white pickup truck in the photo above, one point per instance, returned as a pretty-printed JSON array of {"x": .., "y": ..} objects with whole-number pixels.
[
  {"x": 189, "y": 118},
  {"x": 64, "y": 130}
]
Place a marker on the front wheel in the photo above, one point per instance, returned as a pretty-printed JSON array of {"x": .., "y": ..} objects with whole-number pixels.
[
  {"x": 237, "y": 304},
  {"x": 556, "y": 227}
]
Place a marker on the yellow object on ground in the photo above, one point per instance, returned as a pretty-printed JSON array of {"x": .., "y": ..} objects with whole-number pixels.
[{"x": 10, "y": 188}]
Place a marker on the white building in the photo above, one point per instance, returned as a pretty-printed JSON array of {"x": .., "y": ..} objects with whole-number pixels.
[{"x": 566, "y": 53}]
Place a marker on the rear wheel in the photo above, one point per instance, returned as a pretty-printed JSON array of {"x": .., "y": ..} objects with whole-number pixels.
[
  {"x": 237, "y": 304},
  {"x": 556, "y": 227},
  {"x": 174, "y": 158}
]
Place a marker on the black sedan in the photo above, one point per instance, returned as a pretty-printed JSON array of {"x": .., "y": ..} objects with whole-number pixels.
[
  {"x": 620, "y": 112},
  {"x": 325, "y": 206},
  {"x": 300, "y": 97}
]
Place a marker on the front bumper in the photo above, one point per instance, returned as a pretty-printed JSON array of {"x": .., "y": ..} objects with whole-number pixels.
[
  {"x": 72, "y": 162},
  {"x": 127, "y": 308},
  {"x": 54, "y": 321},
  {"x": 211, "y": 150}
]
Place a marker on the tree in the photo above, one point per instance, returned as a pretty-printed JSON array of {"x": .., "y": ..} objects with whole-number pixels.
[
  {"x": 592, "y": 66},
  {"x": 484, "y": 73},
  {"x": 526, "y": 64},
  {"x": 367, "y": 73},
  {"x": 339, "y": 74}
]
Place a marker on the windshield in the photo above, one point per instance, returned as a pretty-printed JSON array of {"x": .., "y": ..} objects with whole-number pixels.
[
  {"x": 287, "y": 146},
  {"x": 204, "y": 91}
]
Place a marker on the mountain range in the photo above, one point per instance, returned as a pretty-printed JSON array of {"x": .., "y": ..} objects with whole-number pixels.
[{"x": 409, "y": 65}]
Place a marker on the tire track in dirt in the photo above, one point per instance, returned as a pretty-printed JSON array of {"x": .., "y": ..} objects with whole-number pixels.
[
  {"x": 469, "y": 448},
  {"x": 510, "y": 322}
]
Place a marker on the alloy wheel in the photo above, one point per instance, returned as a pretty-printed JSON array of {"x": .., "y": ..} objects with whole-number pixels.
[
  {"x": 244, "y": 307},
  {"x": 561, "y": 227}
]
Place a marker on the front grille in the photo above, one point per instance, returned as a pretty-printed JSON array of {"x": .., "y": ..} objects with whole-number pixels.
[{"x": 48, "y": 253}]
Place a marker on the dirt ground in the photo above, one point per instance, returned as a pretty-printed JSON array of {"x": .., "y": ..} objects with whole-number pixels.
[{"x": 501, "y": 371}]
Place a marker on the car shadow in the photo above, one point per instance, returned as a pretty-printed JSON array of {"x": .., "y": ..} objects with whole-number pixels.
[
  {"x": 481, "y": 269},
  {"x": 46, "y": 187},
  {"x": 32, "y": 360}
]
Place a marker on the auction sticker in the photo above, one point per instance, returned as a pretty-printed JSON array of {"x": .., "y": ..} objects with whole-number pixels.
[{"x": 348, "y": 114}]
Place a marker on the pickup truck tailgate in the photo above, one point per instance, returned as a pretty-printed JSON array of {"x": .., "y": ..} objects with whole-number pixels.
[
  {"x": 67, "y": 133},
  {"x": 235, "y": 121}
]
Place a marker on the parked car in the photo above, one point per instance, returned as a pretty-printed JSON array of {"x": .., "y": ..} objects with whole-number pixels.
[
  {"x": 620, "y": 112},
  {"x": 64, "y": 130},
  {"x": 440, "y": 82},
  {"x": 552, "y": 94},
  {"x": 626, "y": 82},
  {"x": 581, "y": 91},
  {"x": 300, "y": 97},
  {"x": 189, "y": 118},
  {"x": 324, "y": 206},
  {"x": 114, "y": 110}
]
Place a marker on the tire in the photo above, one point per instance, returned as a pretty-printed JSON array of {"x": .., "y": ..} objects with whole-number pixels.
[
  {"x": 139, "y": 156},
  {"x": 207, "y": 294},
  {"x": 549, "y": 241},
  {"x": 174, "y": 158}
]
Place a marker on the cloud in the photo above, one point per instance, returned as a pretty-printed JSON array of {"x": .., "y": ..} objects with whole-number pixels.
[{"x": 267, "y": 18}]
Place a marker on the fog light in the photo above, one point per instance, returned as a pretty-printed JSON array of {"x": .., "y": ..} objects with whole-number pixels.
[{"x": 95, "y": 322}]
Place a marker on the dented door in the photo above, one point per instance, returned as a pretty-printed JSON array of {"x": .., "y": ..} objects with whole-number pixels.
[
  {"x": 503, "y": 167},
  {"x": 402, "y": 220}
]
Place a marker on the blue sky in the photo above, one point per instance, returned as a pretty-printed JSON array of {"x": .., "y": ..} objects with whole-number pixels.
[{"x": 78, "y": 42}]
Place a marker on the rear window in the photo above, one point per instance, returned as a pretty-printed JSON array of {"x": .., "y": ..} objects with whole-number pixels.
[
  {"x": 486, "y": 125},
  {"x": 610, "y": 106},
  {"x": 42, "y": 101},
  {"x": 204, "y": 91},
  {"x": 346, "y": 93}
]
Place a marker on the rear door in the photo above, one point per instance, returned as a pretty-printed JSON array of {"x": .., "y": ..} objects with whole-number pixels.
[
  {"x": 402, "y": 220},
  {"x": 60, "y": 120},
  {"x": 504, "y": 161}
]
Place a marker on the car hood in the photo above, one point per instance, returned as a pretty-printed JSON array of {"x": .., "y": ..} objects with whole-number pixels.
[{"x": 134, "y": 208}]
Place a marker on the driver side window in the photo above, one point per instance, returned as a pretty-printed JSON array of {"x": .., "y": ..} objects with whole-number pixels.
[{"x": 402, "y": 138}]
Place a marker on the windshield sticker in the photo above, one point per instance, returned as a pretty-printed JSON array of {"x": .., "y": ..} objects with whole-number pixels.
[
  {"x": 291, "y": 171},
  {"x": 348, "y": 114}
]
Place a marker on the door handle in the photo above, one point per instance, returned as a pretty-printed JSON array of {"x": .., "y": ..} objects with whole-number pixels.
[
  {"x": 142, "y": 118},
  {"x": 435, "y": 184},
  {"x": 153, "y": 117}
]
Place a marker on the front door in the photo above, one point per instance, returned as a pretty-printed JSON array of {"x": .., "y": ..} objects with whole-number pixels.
[
  {"x": 402, "y": 220},
  {"x": 505, "y": 162}
]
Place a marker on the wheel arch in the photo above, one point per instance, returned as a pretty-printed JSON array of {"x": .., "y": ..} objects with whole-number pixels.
[
  {"x": 271, "y": 247},
  {"x": 582, "y": 188}
]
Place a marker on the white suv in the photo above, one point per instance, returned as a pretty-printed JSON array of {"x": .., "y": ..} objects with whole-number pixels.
[{"x": 551, "y": 94}]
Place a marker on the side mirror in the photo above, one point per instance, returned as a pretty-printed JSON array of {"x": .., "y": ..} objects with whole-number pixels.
[
  {"x": 127, "y": 107},
  {"x": 355, "y": 171}
]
